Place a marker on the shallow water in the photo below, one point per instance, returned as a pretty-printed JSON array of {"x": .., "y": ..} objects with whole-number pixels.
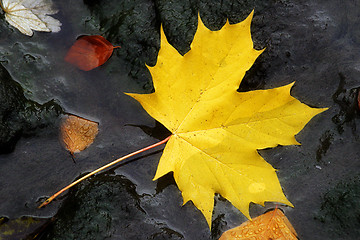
[{"x": 314, "y": 44}]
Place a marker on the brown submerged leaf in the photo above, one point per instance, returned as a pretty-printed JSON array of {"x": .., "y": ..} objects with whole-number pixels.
[
  {"x": 78, "y": 133},
  {"x": 272, "y": 225}
]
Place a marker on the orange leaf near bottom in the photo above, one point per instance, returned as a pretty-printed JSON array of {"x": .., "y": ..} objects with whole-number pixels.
[
  {"x": 89, "y": 52},
  {"x": 77, "y": 133},
  {"x": 272, "y": 225}
]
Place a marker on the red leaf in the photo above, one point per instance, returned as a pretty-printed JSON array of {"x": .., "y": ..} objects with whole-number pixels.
[{"x": 89, "y": 52}]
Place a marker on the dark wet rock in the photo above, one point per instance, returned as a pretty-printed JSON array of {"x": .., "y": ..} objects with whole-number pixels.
[
  {"x": 20, "y": 116},
  {"x": 340, "y": 209},
  {"x": 107, "y": 207},
  {"x": 325, "y": 143},
  {"x": 132, "y": 25},
  {"x": 179, "y": 21},
  {"x": 347, "y": 101},
  {"x": 135, "y": 26},
  {"x": 347, "y": 117}
]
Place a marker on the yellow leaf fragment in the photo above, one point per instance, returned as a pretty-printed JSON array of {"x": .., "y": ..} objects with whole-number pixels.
[
  {"x": 216, "y": 131},
  {"x": 21, "y": 228},
  {"x": 271, "y": 225},
  {"x": 28, "y": 15},
  {"x": 77, "y": 133}
]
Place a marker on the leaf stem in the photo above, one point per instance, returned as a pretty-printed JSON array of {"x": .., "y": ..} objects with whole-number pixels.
[{"x": 47, "y": 201}]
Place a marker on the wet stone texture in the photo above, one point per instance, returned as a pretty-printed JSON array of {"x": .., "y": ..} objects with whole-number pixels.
[
  {"x": 314, "y": 43},
  {"x": 107, "y": 207},
  {"x": 20, "y": 116},
  {"x": 340, "y": 208}
]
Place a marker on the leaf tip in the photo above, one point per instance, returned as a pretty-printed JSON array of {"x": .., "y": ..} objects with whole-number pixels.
[
  {"x": 322, "y": 109},
  {"x": 199, "y": 19},
  {"x": 249, "y": 18},
  {"x": 133, "y": 95},
  {"x": 252, "y": 13},
  {"x": 287, "y": 202}
]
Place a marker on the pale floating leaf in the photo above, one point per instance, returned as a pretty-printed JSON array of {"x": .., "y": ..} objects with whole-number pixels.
[{"x": 28, "y": 15}]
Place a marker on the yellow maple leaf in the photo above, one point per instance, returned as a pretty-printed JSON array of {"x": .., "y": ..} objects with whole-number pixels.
[{"x": 216, "y": 131}]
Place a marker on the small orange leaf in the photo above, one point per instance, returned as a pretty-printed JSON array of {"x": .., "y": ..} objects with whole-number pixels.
[
  {"x": 272, "y": 225},
  {"x": 89, "y": 52},
  {"x": 77, "y": 133}
]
